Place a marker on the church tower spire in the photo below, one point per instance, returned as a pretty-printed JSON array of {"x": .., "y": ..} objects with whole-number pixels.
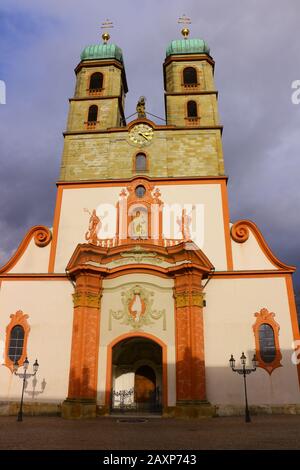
[
  {"x": 191, "y": 97},
  {"x": 101, "y": 85},
  {"x": 190, "y": 93},
  {"x": 98, "y": 102}
]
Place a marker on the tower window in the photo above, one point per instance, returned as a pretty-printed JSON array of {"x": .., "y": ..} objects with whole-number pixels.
[
  {"x": 267, "y": 343},
  {"x": 96, "y": 82},
  {"x": 93, "y": 114},
  {"x": 190, "y": 76},
  {"x": 140, "y": 162},
  {"x": 192, "y": 109},
  {"x": 16, "y": 343}
]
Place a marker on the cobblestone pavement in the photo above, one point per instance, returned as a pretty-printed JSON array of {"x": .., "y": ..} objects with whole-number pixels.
[{"x": 264, "y": 432}]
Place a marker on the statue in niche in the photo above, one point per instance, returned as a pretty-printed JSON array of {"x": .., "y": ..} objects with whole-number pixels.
[
  {"x": 139, "y": 225},
  {"x": 141, "y": 107}
]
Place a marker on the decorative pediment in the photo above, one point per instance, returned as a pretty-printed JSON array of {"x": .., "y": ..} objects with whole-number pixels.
[
  {"x": 166, "y": 261},
  {"x": 41, "y": 235},
  {"x": 240, "y": 232}
]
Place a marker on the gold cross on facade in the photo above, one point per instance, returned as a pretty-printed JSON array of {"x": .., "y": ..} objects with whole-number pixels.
[
  {"x": 107, "y": 24},
  {"x": 185, "y": 20}
]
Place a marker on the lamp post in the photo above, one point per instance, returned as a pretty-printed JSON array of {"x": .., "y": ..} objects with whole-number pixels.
[
  {"x": 24, "y": 376},
  {"x": 244, "y": 371}
]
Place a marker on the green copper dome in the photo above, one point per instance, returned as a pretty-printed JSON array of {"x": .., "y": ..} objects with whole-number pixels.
[
  {"x": 102, "y": 51},
  {"x": 187, "y": 46}
]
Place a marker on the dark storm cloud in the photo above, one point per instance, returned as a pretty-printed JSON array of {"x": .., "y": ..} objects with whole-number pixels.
[{"x": 256, "y": 47}]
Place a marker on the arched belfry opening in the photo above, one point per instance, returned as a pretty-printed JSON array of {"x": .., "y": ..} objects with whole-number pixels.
[{"x": 137, "y": 376}]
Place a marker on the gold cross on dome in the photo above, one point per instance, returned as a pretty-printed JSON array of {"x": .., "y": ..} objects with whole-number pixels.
[
  {"x": 107, "y": 24},
  {"x": 184, "y": 20}
]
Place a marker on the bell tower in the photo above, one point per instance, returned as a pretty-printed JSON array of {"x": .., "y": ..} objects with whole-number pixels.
[
  {"x": 98, "y": 102},
  {"x": 190, "y": 94},
  {"x": 96, "y": 108}
]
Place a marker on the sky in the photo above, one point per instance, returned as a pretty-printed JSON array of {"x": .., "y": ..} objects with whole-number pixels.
[{"x": 256, "y": 47}]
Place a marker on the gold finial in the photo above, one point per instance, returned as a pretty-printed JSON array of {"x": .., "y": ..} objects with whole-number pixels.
[
  {"x": 185, "y": 21},
  {"x": 105, "y": 37},
  {"x": 107, "y": 24}
]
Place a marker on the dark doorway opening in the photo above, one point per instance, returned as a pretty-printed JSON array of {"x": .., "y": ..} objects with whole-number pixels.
[{"x": 136, "y": 376}]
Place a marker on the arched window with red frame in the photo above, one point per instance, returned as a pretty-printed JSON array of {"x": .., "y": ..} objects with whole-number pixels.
[
  {"x": 190, "y": 76},
  {"x": 16, "y": 343},
  {"x": 17, "y": 332},
  {"x": 96, "y": 82},
  {"x": 266, "y": 333},
  {"x": 93, "y": 114},
  {"x": 267, "y": 345},
  {"x": 192, "y": 109}
]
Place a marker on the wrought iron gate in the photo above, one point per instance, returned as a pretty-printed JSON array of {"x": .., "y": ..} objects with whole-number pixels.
[{"x": 123, "y": 401}]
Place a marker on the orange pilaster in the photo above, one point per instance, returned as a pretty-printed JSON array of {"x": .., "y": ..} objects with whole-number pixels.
[
  {"x": 190, "y": 363},
  {"x": 85, "y": 339}
]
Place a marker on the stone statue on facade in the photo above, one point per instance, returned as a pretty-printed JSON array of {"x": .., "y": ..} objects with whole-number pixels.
[
  {"x": 184, "y": 223},
  {"x": 141, "y": 107},
  {"x": 94, "y": 226}
]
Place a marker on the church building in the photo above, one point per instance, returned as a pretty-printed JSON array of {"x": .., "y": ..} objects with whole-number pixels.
[{"x": 137, "y": 296}]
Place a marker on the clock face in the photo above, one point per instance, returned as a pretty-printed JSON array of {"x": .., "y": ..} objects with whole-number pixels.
[{"x": 141, "y": 134}]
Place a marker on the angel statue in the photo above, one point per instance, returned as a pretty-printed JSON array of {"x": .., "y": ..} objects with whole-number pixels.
[
  {"x": 94, "y": 226},
  {"x": 184, "y": 223}
]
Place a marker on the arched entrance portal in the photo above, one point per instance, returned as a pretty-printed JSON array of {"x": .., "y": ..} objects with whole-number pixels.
[{"x": 136, "y": 376}]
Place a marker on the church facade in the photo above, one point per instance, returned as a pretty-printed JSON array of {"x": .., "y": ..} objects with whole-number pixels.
[{"x": 142, "y": 289}]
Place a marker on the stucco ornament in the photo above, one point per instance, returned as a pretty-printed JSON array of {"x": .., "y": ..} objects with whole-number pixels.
[
  {"x": 137, "y": 309},
  {"x": 42, "y": 236},
  {"x": 138, "y": 255}
]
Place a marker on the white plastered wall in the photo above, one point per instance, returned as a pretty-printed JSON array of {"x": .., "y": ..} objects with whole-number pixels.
[
  {"x": 228, "y": 320},
  {"x": 210, "y": 225},
  {"x": 50, "y": 309},
  {"x": 35, "y": 259},
  {"x": 162, "y": 299},
  {"x": 249, "y": 255},
  {"x": 74, "y": 219}
]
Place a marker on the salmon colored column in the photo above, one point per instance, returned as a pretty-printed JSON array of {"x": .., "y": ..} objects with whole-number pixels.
[
  {"x": 81, "y": 401},
  {"x": 190, "y": 363}
]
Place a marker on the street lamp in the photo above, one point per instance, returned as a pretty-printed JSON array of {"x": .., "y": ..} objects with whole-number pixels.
[
  {"x": 24, "y": 376},
  {"x": 244, "y": 371}
]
